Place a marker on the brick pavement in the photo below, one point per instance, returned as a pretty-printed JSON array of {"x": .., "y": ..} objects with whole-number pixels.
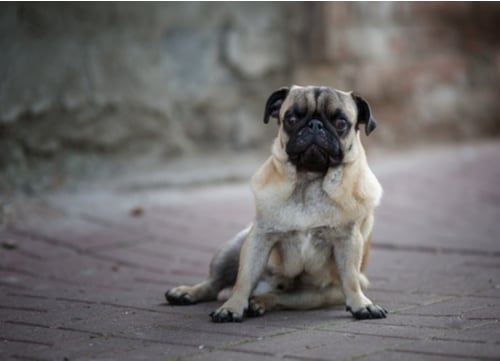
[{"x": 82, "y": 274}]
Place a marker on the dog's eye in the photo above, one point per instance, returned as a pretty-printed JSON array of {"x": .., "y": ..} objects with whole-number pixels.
[
  {"x": 340, "y": 124},
  {"x": 291, "y": 119}
]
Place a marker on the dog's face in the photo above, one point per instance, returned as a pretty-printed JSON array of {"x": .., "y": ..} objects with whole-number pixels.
[{"x": 317, "y": 124}]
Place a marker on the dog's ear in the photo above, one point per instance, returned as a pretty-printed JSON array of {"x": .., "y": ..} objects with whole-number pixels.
[
  {"x": 273, "y": 104},
  {"x": 364, "y": 114}
]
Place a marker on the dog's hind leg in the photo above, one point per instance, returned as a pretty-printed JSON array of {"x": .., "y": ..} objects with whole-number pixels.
[
  {"x": 223, "y": 272},
  {"x": 295, "y": 300}
]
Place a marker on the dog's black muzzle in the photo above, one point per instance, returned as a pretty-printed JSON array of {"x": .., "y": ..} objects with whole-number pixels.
[{"x": 313, "y": 148}]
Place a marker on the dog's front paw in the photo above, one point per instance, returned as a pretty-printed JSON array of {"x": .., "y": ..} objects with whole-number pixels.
[
  {"x": 231, "y": 311},
  {"x": 179, "y": 296},
  {"x": 368, "y": 312},
  {"x": 225, "y": 315}
]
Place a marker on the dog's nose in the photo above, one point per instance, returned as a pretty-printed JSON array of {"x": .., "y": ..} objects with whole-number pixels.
[{"x": 315, "y": 125}]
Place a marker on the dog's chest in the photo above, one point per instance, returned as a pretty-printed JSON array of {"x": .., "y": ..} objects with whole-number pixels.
[
  {"x": 307, "y": 253},
  {"x": 307, "y": 207},
  {"x": 315, "y": 249}
]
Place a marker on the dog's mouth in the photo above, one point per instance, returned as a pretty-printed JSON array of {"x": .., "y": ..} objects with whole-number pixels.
[{"x": 314, "y": 159}]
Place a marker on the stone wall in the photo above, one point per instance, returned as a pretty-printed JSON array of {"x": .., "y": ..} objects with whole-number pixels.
[
  {"x": 87, "y": 86},
  {"x": 430, "y": 70}
]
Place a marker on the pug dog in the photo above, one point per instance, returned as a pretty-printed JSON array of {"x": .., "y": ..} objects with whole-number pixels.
[{"x": 315, "y": 197}]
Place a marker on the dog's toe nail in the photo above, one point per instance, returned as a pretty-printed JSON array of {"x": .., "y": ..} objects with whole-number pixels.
[
  {"x": 178, "y": 299},
  {"x": 225, "y": 316},
  {"x": 377, "y": 312},
  {"x": 369, "y": 312}
]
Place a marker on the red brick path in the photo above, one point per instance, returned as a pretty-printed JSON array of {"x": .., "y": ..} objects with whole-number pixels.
[{"x": 82, "y": 275}]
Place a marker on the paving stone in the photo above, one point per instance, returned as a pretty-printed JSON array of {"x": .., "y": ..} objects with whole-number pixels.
[
  {"x": 199, "y": 321},
  {"x": 34, "y": 334},
  {"x": 112, "y": 348},
  {"x": 457, "y": 349},
  {"x": 459, "y": 306},
  {"x": 321, "y": 345},
  {"x": 144, "y": 352},
  {"x": 376, "y": 328},
  {"x": 400, "y": 300},
  {"x": 444, "y": 273},
  {"x": 486, "y": 332},
  {"x": 18, "y": 350},
  {"x": 232, "y": 356},
  {"x": 182, "y": 336},
  {"x": 405, "y": 356},
  {"x": 443, "y": 322},
  {"x": 302, "y": 319},
  {"x": 493, "y": 292}
]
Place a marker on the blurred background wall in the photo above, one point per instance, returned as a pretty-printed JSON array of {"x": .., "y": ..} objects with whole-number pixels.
[{"x": 84, "y": 87}]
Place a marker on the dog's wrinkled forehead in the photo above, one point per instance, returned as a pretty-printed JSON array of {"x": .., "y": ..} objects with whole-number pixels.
[{"x": 323, "y": 100}]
